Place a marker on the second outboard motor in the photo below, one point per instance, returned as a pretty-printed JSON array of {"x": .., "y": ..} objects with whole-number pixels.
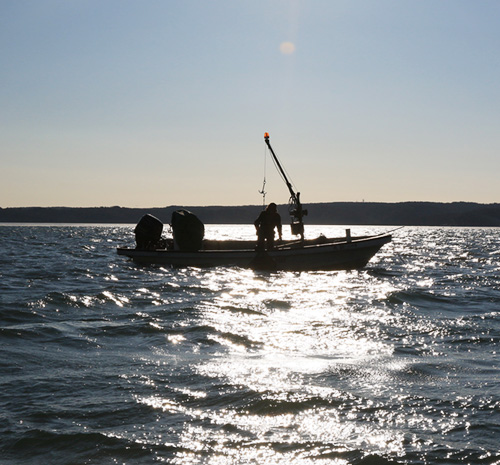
[
  {"x": 148, "y": 232},
  {"x": 188, "y": 231}
]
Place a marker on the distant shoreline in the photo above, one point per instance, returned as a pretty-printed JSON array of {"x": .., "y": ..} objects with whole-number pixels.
[{"x": 332, "y": 213}]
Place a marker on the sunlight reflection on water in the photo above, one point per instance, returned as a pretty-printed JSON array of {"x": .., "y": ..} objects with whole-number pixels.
[{"x": 282, "y": 338}]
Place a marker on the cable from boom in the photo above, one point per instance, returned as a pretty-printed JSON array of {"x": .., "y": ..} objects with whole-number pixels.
[{"x": 263, "y": 191}]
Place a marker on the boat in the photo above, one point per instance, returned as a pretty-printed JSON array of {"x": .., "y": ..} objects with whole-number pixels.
[
  {"x": 345, "y": 253},
  {"x": 188, "y": 248}
]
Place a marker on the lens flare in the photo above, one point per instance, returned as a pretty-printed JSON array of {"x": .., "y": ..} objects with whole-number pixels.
[{"x": 287, "y": 48}]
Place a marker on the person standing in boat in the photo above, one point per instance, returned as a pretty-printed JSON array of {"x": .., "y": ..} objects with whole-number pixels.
[{"x": 265, "y": 224}]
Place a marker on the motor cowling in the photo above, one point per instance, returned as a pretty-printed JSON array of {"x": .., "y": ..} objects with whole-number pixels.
[
  {"x": 188, "y": 231},
  {"x": 148, "y": 232}
]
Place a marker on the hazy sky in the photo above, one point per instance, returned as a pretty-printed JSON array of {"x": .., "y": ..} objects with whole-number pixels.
[{"x": 155, "y": 103}]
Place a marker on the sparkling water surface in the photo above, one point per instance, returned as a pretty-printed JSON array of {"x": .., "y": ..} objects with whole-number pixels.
[{"x": 107, "y": 362}]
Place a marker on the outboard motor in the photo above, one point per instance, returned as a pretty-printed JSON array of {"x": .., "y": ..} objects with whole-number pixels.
[
  {"x": 148, "y": 232},
  {"x": 188, "y": 231}
]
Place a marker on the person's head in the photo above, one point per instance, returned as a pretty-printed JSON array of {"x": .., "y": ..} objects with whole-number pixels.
[{"x": 272, "y": 208}]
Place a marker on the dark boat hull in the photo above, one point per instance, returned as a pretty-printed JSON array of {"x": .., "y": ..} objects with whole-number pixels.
[{"x": 333, "y": 254}]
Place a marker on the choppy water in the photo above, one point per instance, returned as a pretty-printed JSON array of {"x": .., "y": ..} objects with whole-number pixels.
[{"x": 106, "y": 362}]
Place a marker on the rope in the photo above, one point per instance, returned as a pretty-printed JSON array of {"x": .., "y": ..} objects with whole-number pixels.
[{"x": 263, "y": 191}]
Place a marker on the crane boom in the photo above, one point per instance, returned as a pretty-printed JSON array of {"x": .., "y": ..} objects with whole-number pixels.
[{"x": 297, "y": 212}]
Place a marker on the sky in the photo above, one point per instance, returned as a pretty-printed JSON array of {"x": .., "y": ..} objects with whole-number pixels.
[{"x": 164, "y": 102}]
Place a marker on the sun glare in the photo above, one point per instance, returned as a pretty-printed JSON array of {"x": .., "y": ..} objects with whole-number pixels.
[{"x": 287, "y": 48}]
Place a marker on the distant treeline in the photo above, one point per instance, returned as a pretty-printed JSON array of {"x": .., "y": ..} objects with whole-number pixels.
[{"x": 342, "y": 213}]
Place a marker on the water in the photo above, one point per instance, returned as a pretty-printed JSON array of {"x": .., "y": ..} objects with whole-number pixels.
[{"x": 106, "y": 362}]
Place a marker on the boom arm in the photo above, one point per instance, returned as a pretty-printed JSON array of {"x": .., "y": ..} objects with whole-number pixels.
[{"x": 297, "y": 212}]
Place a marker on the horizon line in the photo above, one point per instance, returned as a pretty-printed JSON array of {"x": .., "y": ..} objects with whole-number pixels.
[{"x": 259, "y": 205}]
